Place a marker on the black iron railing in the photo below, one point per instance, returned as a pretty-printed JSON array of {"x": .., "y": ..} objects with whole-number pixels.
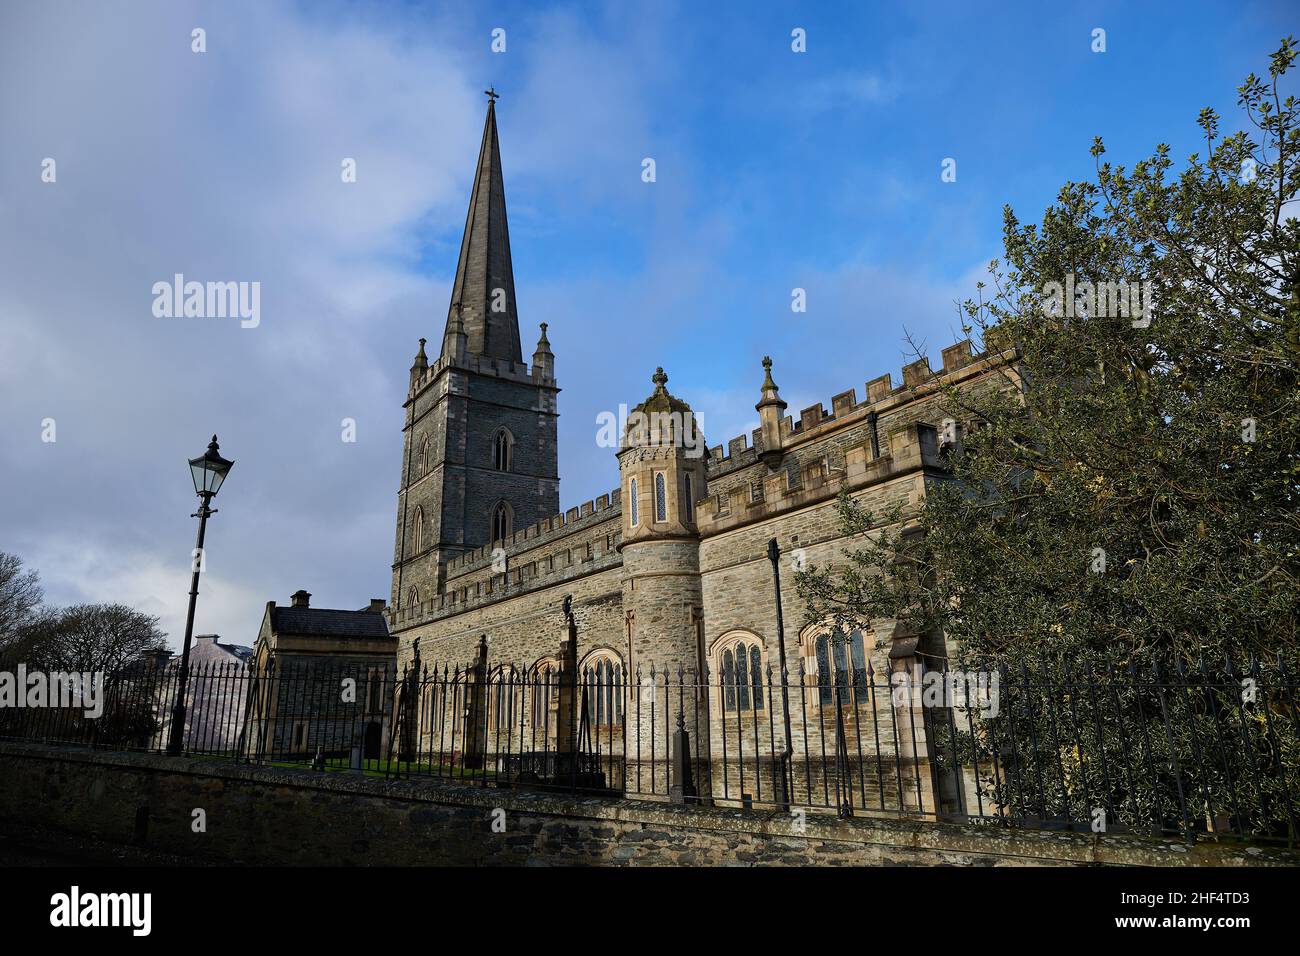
[{"x": 1088, "y": 746}]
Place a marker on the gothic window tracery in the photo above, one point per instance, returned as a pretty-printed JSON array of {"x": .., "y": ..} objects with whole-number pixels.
[
  {"x": 838, "y": 661},
  {"x": 740, "y": 665},
  {"x": 501, "y": 522},
  {"x": 417, "y": 531},
  {"x": 603, "y": 685},
  {"x": 502, "y": 450}
]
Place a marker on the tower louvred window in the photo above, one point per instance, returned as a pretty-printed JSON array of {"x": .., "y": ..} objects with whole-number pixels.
[
  {"x": 501, "y": 450},
  {"x": 500, "y": 522}
]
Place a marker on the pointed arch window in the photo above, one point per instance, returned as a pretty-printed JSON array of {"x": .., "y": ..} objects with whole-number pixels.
[
  {"x": 661, "y": 498},
  {"x": 742, "y": 675},
  {"x": 635, "y": 505},
  {"x": 501, "y": 521},
  {"x": 502, "y": 449},
  {"x": 417, "y": 531},
  {"x": 502, "y": 706},
  {"x": 603, "y": 686},
  {"x": 841, "y": 664},
  {"x": 545, "y": 687},
  {"x": 412, "y": 597},
  {"x": 423, "y": 461}
]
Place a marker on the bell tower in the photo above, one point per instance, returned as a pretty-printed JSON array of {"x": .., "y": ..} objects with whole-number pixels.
[{"x": 480, "y": 457}]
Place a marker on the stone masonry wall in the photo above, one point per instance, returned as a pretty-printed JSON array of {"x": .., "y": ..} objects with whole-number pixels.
[
  {"x": 272, "y": 816},
  {"x": 528, "y": 627}
]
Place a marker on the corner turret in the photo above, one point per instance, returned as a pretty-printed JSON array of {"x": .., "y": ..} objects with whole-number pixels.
[{"x": 662, "y": 465}]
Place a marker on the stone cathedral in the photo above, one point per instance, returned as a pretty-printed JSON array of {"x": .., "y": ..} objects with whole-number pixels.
[{"x": 670, "y": 568}]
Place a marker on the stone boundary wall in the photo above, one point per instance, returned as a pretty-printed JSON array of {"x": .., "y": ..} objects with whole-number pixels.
[{"x": 270, "y": 816}]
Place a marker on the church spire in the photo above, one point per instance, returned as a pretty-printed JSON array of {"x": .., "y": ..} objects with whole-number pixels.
[{"x": 484, "y": 287}]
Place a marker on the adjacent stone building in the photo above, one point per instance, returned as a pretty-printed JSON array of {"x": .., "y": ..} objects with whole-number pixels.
[
  {"x": 322, "y": 680},
  {"x": 668, "y": 573}
]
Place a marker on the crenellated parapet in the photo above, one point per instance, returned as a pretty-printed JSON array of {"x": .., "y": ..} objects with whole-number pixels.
[
  {"x": 913, "y": 448},
  {"x": 546, "y": 531},
  {"x": 572, "y": 544},
  {"x": 882, "y": 397},
  {"x": 482, "y": 588},
  {"x": 522, "y": 372}
]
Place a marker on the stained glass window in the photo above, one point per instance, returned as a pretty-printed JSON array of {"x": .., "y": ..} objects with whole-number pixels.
[
  {"x": 826, "y": 695},
  {"x": 728, "y": 680},
  {"x": 742, "y": 677},
  {"x": 842, "y": 663}
]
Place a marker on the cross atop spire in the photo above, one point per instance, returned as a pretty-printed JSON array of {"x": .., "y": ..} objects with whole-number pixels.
[{"x": 484, "y": 288}]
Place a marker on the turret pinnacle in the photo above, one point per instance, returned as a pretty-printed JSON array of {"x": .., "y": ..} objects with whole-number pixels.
[
  {"x": 770, "y": 408},
  {"x": 419, "y": 366},
  {"x": 484, "y": 286},
  {"x": 543, "y": 357},
  {"x": 770, "y": 394}
]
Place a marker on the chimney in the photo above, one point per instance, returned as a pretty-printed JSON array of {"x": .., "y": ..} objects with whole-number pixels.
[
  {"x": 300, "y": 598},
  {"x": 377, "y": 605}
]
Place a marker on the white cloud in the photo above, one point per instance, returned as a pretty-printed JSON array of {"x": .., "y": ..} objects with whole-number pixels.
[{"x": 83, "y": 572}]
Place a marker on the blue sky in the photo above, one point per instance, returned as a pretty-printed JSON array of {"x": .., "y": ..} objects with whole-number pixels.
[{"x": 775, "y": 170}]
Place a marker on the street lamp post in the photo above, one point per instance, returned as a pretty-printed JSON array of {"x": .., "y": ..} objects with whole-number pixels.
[
  {"x": 209, "y": 471},
  {"x": 783, "y": 795}
]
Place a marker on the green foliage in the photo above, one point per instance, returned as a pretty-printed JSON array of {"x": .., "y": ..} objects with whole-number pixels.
[{"x": 1165, "y": 448}]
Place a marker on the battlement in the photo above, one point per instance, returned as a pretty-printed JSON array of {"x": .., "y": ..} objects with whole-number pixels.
[
  {"x": 542, "y": 532},
  {"x": 540, "y": 559},
  {"x": 912, "y": 447},
  {"x": 918, "y": 379},
  {"x": 483, "y": 365}
]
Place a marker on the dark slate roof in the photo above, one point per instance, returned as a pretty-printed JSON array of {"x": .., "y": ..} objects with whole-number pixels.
[
  {"x": 484, "y": 263},
  {"x": 328, "y": 622},
  {"x": 239, "y": 650}
]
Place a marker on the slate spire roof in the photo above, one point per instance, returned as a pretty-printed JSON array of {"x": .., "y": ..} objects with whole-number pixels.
[{"x": 484, "y": 273}]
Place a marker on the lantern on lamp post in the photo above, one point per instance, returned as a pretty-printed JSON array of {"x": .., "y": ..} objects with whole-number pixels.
[{"x": 209, "y": 471}]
